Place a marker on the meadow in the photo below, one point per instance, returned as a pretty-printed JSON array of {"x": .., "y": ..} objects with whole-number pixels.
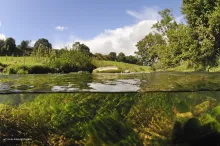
[{"x": 12, "y": 65}]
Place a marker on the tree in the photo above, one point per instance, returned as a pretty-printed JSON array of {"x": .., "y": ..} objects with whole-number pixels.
[
  {"x": 10, "y": 46},
  {"x": 121, "y": 57},
  {"x": 203, "y": 17},
  {"x": 149, "y": 48},
  {"x": 2, "y": 48},
  {"x": 99, "y": 56},
  {"x": 154, "y": 47},
  {"x": 81, "y": 47},
  {"x": 167, "y": 22},
  {"x": 44, "y": 46},
  {"x": 112, "y": 56},
  {"x": 24, "y": 47},
  {"x": 131, "y": 59}
]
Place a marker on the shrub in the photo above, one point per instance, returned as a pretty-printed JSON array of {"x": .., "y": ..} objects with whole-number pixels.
[
  {"x": 13, "y": 69},
  {"x": 22, "y": 71},
  {"x": 71, "y": 61}
]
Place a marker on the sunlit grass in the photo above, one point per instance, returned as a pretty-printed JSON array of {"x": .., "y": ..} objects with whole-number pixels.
[
  {"x": 122, "y": 66},
  {"x": 23, "y": 60}
]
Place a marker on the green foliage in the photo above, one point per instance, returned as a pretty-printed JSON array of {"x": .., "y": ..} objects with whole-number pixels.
[
  {"x": 216, "y": 113},
  {"x": 121, "y": 57},
  {"x": 202, "y": 17},
  {"x": 112, "y": 56},
  {"x": 196, "y": 42},
  {"x": 8, "y": 47},
  {"x": 71, "y": 61},
  {"x": 120, "y": 133},
  {"x": 81, "y": 47},
  {"x": 122, "y": 66},
  {"x": 106, "y": 119},
  {"x": 42, "y": 47},
  {"x": 14, "y": 69},
  {"x": 149, "y": 47},
  {"x": 24, "y": 69},
  {"x": 68, "y": 116}
]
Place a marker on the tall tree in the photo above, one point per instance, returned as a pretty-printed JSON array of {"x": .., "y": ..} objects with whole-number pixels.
[
  {"x": 24, "y": 47},
  {"x": 121, "y": 57},
  {"x": 81, "y": 47},
  {"x": 167, "y": 22},
  {"x": 203, "y": 17},
  {"x": 131, "y": 59},
  {"x": 112, "y": 56},
  {"x": 2, "y": 48},
  {"x": 43, "y": 46},
  {"x": 10, "y": 46},
  {"x": 99, "y": 56},
  {"x": 149, "y": 48}
]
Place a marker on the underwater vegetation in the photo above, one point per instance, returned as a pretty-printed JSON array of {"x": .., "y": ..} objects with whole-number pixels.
[{"x": 111, "y": 119}]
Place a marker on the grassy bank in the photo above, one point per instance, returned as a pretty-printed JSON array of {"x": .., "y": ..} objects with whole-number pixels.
[
  {"x": 36, "y": 65},
  {"x": 30, "y": 65},
  {"x": 23, "y": 60},
  {"x": 122, "y": 66}
]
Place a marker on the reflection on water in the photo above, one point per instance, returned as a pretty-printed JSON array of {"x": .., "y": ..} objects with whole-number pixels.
[
  {"x": 151, "y": 119},
  {"x": 145, "y": 82}
]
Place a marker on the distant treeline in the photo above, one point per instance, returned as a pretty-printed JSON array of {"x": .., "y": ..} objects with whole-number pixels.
[{"x": 43, "y": 48}]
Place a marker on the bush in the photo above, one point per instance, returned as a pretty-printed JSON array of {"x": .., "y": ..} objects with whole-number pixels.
[
  {"x": 71, "y": 61},
  {"x": 22, "y": 71},
  {"x": 14, "y": 69}
]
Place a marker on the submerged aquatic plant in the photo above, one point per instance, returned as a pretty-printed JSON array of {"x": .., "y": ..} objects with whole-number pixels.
[
  {"x": 153, "y": 125},
  {"x": 108, "y": 131}
]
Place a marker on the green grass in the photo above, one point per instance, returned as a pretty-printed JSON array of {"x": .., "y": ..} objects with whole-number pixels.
[
  {"x": 23, "y": 65},
  {"x": 16, "y": 63},
  {"x": 215, "y": 69},
  {"x": 181, "y": 69},
  {"x": 22, "y": 60},
  {"x": 122, "y": 66}
]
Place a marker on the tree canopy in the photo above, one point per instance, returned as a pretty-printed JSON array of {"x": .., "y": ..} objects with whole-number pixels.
[
  {"x": 197, "y": 42},
  {"x": 42, "y": 47}
]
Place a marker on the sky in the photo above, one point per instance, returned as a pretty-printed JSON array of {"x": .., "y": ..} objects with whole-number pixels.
[{"x": 103, "y": 25}]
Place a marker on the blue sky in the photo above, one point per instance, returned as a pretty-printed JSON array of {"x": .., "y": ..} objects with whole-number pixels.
[{"x": 97, "y": 23}]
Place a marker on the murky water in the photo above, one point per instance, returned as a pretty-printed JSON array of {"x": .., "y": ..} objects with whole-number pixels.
[{"x": 157, "y": 109}]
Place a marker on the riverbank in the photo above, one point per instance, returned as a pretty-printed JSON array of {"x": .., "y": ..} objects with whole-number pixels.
[{"x": 34, "y": 65}]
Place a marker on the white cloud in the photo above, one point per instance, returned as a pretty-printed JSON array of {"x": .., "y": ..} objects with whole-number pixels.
[
  {"x": 60, "y": 28},
  {"x": 146, "y": 13},
  {"x": 122, "y": 39},
  {"x": 32, "y": 43},
  {"x": 2, "y": 36},
  {"x": 119, "y": 40}
]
